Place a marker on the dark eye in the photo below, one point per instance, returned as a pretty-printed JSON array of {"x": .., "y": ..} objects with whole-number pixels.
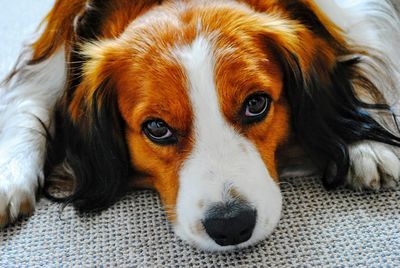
[
  {"x": 255, "y": 108},
  {"x": 159, "y": 132}
]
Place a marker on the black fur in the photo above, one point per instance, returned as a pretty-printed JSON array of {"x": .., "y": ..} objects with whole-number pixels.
[
  {"x": 328, "y": 116},
  {"x": 94, "y": 147},
  {"x": 96, "y": 151},
  {"x": 98, "y": 156}
]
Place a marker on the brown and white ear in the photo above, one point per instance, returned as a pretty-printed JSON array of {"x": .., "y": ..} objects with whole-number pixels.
[
  {"x": 91, "y": 127},
  {"x": 93, "y": 135},
  {"x": 321, "y": 76}
]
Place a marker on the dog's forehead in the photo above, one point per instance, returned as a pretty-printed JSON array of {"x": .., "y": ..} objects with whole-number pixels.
[
  {"x": 158, "y": 78},
  {"x": 178, "y": 23}
]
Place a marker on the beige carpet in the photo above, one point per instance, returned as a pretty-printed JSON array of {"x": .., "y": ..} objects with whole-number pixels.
[{"x": 318, "y": 228}]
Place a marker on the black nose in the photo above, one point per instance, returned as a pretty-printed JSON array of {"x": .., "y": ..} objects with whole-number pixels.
[{"x": 230, "y": 225}]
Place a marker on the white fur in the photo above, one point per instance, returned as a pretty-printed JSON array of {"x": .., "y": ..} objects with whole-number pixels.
[
  {"x": 373, "y": 165},
  {"x": 221, "y": 158},
  {"x": 29, "y": 96},
  {"x": 372, "y": 25}
]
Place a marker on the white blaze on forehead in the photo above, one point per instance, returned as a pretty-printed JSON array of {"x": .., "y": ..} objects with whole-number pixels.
[
  {"x": 220, "y": 157},
  {"x": 198, "y": 62}
]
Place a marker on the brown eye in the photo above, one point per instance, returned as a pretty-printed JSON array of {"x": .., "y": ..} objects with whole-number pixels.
[
  {"x": 159, "y": 132},
  {"x": 255, "y": 108}
]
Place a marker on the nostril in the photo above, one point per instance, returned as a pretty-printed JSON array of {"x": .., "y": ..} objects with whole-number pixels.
[{"x": 230, "y": 227}]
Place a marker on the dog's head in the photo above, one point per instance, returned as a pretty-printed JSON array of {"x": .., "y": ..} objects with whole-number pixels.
[{"x": 194, "y": 98}]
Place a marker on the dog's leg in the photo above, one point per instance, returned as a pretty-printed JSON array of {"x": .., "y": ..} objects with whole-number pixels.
[
  {"x": 26, "y": 109},
  {"x": 373, "y": 165}
]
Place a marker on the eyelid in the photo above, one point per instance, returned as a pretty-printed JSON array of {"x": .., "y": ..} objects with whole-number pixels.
[
  {"x": 167, "y": 135},
  {"x": 155, "y": 118}
]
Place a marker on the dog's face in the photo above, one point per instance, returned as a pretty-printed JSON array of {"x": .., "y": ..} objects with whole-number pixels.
[
  {"x": 200, "y": 89},
  {"x": 202, "y": 100},
  {"x": 204, "y": 125}
]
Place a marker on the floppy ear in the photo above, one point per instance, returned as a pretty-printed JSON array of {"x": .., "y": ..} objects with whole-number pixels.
[
  {"x": 321, "y": 76},
  {"x": 93, "y": 131}
]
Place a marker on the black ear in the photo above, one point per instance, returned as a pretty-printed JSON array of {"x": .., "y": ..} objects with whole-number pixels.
[
  {"x": 322, "y": 77},
  {"x": 90, "y": 137},
  {"x": 96, "y": 152},
  {"x": 91, "y": 152},
  {"x": 326, "y": 113}
]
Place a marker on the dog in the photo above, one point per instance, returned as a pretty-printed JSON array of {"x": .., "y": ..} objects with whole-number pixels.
[{"x": 200, "y": 100}]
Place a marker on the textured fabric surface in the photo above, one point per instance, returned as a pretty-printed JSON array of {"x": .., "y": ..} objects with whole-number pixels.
[{"x": 318, "y": 228}]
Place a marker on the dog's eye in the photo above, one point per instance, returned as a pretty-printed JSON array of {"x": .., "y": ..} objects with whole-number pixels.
[
  {"x": 255, "y": 108},
  {"x": 159, "y": 132}
]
